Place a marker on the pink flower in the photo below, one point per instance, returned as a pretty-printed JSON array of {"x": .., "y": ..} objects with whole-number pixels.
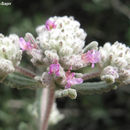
[
  {"x": 92, "y": 56},
  {"x": 54, "y": 68},
  {"x": 25, "y": 45},
  {"x": 50, "y": 25},
  {"x": 71, "y": 80}
]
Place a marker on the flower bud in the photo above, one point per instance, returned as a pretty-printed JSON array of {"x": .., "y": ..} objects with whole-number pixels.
[{"x": 110, "y": 74}]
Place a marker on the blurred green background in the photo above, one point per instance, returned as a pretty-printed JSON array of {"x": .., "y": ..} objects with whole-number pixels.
[{"x": 103, "y": 20}]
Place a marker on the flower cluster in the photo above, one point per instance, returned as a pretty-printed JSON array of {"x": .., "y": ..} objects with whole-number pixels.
[
  {"x": 115, "y": 62},
  {"x": 62, "y": 40},
  {"x": 59, "y": 52},
  {"x": 62, "y": 60},
  {"x": 10, "y": 54},
  {"x": 62, "y": 34}
]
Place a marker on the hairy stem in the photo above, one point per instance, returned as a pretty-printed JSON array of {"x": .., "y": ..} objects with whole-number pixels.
[
  {"x": 90, "y": 75},
  {"x": 25, "y": 72},
  {"x": 46, "y": 106}
]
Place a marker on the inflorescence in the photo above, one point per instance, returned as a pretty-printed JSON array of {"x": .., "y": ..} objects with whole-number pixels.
[{"x": 60, "y": 53}]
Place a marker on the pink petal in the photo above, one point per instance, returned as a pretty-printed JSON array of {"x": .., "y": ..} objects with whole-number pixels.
[
  {"x": 92, "y": 65},
  {"x": 68, "y": 85},
  {"x": 71, "y": 80},
  {"x": 54, "y": 68},
  {"x": 50, "y": 25},
  {"x": 92, "y": 56},
  {"x": 24, "y": 45},
  {"x": 76, "y": 81}
]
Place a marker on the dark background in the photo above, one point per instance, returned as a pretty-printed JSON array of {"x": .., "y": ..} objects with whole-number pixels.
[{"x": 103, "y": 20}]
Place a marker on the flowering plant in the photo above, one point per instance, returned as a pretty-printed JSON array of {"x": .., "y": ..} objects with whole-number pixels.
[{"x": 63, "y": 63}]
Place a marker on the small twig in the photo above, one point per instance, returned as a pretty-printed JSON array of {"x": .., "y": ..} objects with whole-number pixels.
[
  {"x": 90, "y": 75},
  {"x": 25, "y": 72}
]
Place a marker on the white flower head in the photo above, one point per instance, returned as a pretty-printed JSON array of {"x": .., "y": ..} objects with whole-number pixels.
[
  {"x": 10, "y": 53},
  {"x": 64, "y": 35},
  {"x": 117, "y": 56}
]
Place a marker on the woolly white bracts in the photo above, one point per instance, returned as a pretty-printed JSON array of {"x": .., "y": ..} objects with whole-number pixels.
[
  {"x": 9, "y": 49},
  {"x": 118, "y": 57},
  {"x": 10, "y": 53},
  {"x": 75, "y": 61},
  {"x": 67, "y": 38}
]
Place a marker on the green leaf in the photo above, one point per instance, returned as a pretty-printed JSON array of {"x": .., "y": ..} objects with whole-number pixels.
[
  {"x": 94, "y": 87},
  {"x": 16, "y": 80}
]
